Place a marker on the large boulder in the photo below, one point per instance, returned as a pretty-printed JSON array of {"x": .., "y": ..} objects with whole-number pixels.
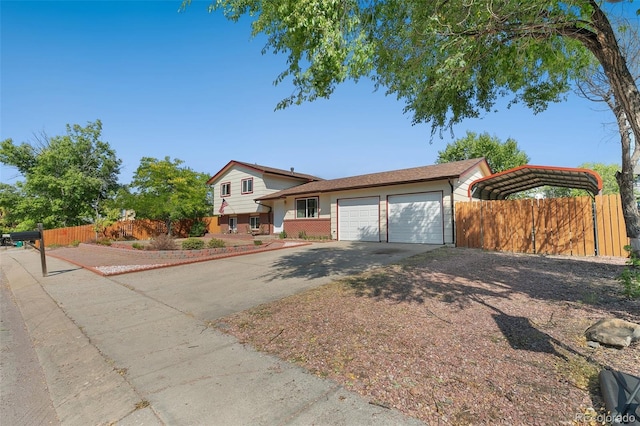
[{"x": 613, "y": 332}]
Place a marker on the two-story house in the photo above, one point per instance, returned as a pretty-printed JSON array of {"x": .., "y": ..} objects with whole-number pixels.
[
  {"x": 236, "y": 188},
  {"x": 413, "y": 205}
]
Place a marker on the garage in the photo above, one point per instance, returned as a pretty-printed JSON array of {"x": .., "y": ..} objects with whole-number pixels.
[
  {"x": 359, "y": 219},
  {"x": 415, "y": 218}
]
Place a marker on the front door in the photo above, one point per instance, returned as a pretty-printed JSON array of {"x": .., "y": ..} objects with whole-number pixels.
[{"x": 233, "y": 225}]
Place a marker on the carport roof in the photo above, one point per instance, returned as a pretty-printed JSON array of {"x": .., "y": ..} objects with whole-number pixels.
[{"x": 503, "y": 184}]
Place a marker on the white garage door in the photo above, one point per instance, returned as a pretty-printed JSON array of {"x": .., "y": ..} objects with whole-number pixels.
[
  {"x": 416, "y": 218},
  {"x": 359, "y": 219}
]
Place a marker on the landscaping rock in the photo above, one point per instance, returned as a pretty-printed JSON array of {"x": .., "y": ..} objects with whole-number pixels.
[{"x": 613, "y": 332}]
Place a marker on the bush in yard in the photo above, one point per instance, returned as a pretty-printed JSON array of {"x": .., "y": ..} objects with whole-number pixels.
[
  {"x": 198, "y": 229},
  {"x": 138, "y": 246},
  {"x": 192, "y": 244},
  {"x": 104, "y": 242},
  {"x": 215, "y": 243},
  {"x": 163, "y": 242},
  {"x": 630, "y": 276},
  {"x": 257, "y": 242}
]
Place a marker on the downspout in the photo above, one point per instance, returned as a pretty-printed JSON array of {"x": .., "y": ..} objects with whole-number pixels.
[
  {"x": 453, "y": 216},
  {"x": 269, "y": 212}
]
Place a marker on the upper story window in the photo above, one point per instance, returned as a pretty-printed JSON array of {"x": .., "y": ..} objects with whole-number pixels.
[
  {"x": 225, "y": 189},
  {"x": 306, "y": 207},
  {"x": 247, "y": 186}
]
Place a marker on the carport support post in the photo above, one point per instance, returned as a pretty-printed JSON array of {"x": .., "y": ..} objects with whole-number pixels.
[{"x": 43, "y": 259}]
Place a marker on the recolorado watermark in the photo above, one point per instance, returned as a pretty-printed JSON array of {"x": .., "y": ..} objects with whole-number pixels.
[{"x": 606, "y": 418}]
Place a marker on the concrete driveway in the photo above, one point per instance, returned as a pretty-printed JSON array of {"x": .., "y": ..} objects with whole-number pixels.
[
  {"x": 135, "y": 349},
  {"x": 214, "y": 289}
]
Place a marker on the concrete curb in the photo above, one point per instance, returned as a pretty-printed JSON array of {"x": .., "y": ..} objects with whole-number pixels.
[{"x": 171, "y": 260}]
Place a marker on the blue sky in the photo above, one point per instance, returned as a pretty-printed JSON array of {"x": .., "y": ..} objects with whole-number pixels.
[{"x": 195, "y": 86}]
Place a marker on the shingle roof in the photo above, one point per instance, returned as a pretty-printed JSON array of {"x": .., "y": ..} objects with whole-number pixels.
[
  {"x": 264, "y": 169},
  {"x": 395, "y": 177}
]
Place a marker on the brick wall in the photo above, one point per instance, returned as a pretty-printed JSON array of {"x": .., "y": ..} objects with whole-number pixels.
[
  {"x": 311, "y": 227},
  {"x": 243, "y": 226}
]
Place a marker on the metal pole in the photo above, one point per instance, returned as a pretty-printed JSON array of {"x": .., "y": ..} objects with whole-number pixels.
[{"x": 43, "y": 259}]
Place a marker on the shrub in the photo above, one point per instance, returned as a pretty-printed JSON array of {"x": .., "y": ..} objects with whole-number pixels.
[
  {"x": 302, "y": 235},
  {"x": 282, "y": 235},
  {"x": 630, "y": 276},
  {"x": 198, "y": 229},
  {"x": 192, "y": 244},
  {"x": 163, "y": 242},
  {"x": 75, "y": 243},
  {"x": 138, "y": 246},
  {"x": 104, "y": 242},
  {"x": 215, "y": 243},
  {"x": 257, "y": 242}
]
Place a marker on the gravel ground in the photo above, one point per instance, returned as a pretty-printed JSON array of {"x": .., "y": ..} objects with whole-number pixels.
[{"x": 458, "y": 336}]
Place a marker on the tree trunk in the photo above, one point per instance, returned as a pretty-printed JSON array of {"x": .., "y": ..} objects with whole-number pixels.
[
  {"x": 168, "y": 223},
  {"x": 626, "y": 180},
  {"x": 604, "y": 46}
]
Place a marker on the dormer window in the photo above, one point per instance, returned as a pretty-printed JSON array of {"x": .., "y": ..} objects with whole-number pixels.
[{"x": 247, "y": 186}]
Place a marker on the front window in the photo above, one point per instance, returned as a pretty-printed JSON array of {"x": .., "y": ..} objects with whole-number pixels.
[
  {"x": 306, "y": 207},
  {"x": 247, "y": 186},
  {"x": 254, "y": 222},
  {"x": 225, "y": 189}
]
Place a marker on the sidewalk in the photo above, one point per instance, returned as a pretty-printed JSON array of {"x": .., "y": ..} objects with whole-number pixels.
[{"x": 113, "y": 355}]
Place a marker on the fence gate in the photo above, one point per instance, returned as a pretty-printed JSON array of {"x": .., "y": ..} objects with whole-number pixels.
[{"x": 577, "y": 226}]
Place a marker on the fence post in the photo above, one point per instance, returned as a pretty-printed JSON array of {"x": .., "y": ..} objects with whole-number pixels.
[
  {"x": 43, "y": 258},
  {"x": 594, "y": 215}
]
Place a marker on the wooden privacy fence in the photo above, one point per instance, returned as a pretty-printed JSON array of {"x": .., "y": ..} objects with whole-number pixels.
[
  {"x": 578, "y": 226},
  {"x": 128, "y": 229}
]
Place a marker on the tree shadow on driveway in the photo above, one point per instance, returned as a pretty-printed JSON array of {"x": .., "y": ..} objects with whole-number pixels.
[{"x": 336, "y": 260}]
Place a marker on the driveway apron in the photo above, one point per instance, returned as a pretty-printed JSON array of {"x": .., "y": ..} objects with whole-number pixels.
[{"x": 136, "y": 348}]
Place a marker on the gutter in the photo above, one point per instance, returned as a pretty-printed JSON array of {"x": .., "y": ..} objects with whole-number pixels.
[{"x": 269, "y": 212}]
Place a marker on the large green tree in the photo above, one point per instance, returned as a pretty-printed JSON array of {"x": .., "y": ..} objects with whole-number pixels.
[
  {"x": 165, "y": 190},
  {"x": 67, "y": 178},
  {"x": 607, "y": 173},
  {"x": 450, "y": 60},
  {"x": 500, "y": 155}
]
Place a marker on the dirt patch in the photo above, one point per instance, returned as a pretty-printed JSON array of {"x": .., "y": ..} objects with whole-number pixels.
[{"x": 457, "y": 336}]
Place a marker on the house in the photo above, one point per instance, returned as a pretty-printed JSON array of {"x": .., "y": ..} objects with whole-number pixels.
[
  {"x": 236, "y": 188},
  {"x": 413, "y": 205}
]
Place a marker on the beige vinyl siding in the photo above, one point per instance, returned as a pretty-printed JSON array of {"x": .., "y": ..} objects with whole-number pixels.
[
  {"x": 240, "y": 203},
  {"x": 323, "y": 203},
  {"x": 462, "y": 187}
]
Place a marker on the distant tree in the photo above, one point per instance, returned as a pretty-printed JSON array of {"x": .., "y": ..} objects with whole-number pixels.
[
  {"x": 607, "y": 173},
  {"x": 9, "y": 199},
  {"x": 164, "y": 190},
  {"x": 67, "y": 178},
  {"x": 500, "y": 155}
]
